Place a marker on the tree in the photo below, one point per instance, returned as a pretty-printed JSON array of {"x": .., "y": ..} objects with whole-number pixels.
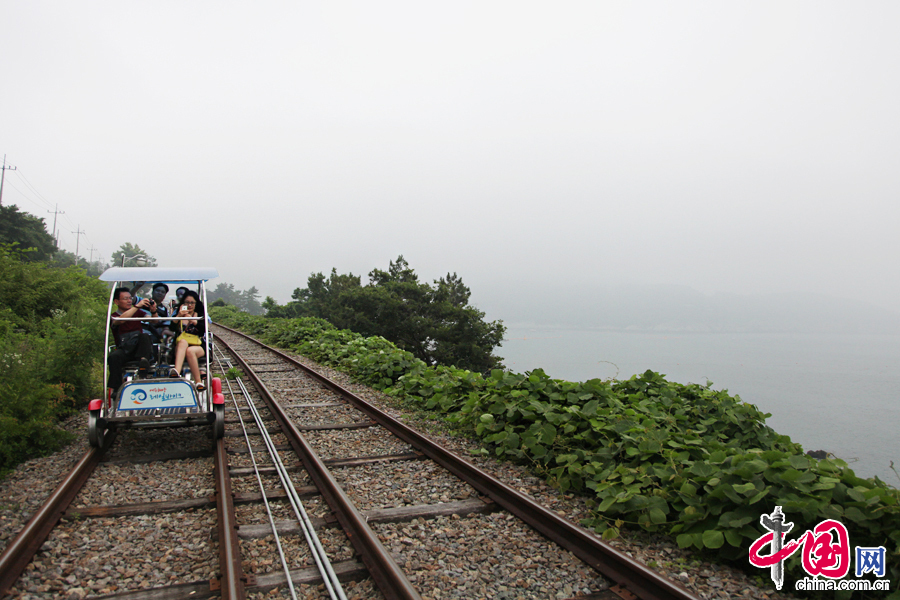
[
  {"x": 27, "y": 231},
  {"x": 128, "y": 251},
  {"x": 250, "y": 301},
  {"x": 435, "y": 323},
  {"x": 247, "y": 300},
  {"x": 224, "y": 292},
  {"x": 269, "y": 304}
]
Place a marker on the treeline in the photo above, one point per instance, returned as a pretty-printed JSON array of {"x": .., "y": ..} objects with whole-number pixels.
[{"x": 435, "y": 322}]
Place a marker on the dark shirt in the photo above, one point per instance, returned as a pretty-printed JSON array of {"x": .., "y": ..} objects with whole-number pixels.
[
  {"x": 162, "y": 311},
  {"x": 158, "y": 327},
  {"x": 124, "y": 327}
]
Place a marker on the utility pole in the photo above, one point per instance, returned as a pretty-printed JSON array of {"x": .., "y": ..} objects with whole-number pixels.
[
  {"x": 3, "y": 176},
  {"x": 78, "y": 235},
  {"x": 92, "y": 249},
  {"x": 55, "y": 235}
]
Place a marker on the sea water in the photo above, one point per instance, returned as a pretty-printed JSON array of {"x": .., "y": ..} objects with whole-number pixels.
[{"x": 838, "y": 393}]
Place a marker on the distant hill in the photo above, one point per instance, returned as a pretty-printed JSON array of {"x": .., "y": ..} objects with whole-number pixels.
[{"x": 683, "y": 309}]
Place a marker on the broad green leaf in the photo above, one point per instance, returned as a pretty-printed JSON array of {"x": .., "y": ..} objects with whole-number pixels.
[
  {"x": 734, "y": 538},
  {"x": 548, "y": 434},
  {"x": 737, "y": 521},
  {"x": 759, "y": 496},
  {"x": 854, "y": 514},
  {"x": 745, "y": 488},
  {"x": 856, "y": 495},
  {"x": 799, "y": 461},
  {"x": 717, "y": 457},
  {"x": 755, "y": 466},
  {"x": 657, "y": 516},
  {"x": 606, "y": 503},
  {"x": 790, "y": 475},
  {"x": 688, "y": 489},
  {"x": 702, "y": 469},
  {"x": 713, "y": 538}
]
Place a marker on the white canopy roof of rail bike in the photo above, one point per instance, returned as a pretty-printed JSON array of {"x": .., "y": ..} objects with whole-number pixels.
[{"x": 153, "y": 274}]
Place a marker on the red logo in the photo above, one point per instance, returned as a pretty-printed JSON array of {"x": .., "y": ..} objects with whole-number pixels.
[{"x": 826, "y": 548}]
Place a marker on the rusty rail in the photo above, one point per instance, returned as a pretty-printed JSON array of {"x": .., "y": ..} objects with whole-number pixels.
[
  {"x": 26, "y": 544},
  {"x": 233, "y": 579},
  {"x": 388, "y": 576}
]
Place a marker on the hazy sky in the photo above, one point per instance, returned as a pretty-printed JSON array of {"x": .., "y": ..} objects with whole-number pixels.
[{"x": 737, "y": 147}]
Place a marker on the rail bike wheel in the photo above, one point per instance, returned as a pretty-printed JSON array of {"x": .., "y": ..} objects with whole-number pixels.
[
  {"x": 96, "y": 429},
  {"x": 219, "y": 424}
]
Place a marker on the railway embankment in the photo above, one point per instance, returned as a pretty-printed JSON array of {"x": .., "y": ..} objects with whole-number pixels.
[{"x": 684, "y": 465}]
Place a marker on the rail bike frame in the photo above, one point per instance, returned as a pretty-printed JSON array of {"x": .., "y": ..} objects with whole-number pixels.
[{"x": 157, "y": 400}]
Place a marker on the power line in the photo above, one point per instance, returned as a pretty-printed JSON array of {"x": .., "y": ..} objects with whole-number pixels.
[
  {"x": 69, "y": 220},
  {"x": 21, "y": 193},
  {"x": 30, "y": 193},
  {"x": 32, "y": 188}
]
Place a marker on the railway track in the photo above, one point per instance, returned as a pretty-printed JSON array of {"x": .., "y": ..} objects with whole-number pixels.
[
  {"x": 135, "y": 513},
  {"x": 313, "y": 481}
]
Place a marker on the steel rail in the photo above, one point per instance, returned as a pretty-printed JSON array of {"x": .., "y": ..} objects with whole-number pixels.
[
  {"x": 383, "y": 569},
  {"x": 22, "y": 549},
  {"x": 233, "y": 578},
  {"x": 323, "y": 564},
  {"x": 262, "y": 490},
  {"x": 630, "y": 574},
  {"x": 317, "y": 551}
]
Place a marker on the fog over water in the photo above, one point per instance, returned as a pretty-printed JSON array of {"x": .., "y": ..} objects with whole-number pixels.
[{"x": 689, "y": 167}]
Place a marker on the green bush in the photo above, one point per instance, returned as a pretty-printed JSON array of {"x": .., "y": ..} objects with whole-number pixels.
[
  {"x": 52, "y": 324},
  {"x": 681, "y": 459},
  {"x": 29, "y": 409}
]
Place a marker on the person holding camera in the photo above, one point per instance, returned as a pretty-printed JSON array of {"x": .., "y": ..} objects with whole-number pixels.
[
  {"x": 131, "y": 341},
  {"x": 192, "y": 332}
]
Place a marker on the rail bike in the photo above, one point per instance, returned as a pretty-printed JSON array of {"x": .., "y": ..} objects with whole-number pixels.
[{"x": 152, "y": 393}]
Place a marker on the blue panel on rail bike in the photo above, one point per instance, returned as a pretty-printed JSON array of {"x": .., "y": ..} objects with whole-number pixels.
[{"x": 157, "y": 394}]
